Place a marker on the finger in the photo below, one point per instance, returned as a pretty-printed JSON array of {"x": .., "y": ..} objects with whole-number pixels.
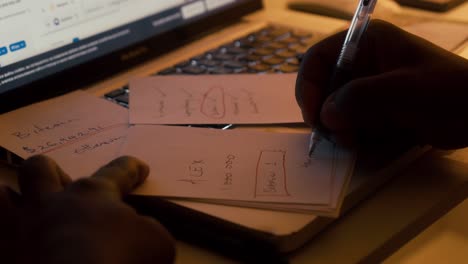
[
  {"x": 371, "y": 100},
  {"x": 379, "y": 107},
  {"x": 155, "y": 242},
  {"x": 314, "y": 73},
  {"x": 8, "y": 199},
  {"x": 117, "y": 178},
  {"x": 332, "y": 118},
  {"x": 39, "y": 175}
]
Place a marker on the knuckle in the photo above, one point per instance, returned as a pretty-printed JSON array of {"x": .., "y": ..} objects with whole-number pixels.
[{"x": 37, "y": 160}]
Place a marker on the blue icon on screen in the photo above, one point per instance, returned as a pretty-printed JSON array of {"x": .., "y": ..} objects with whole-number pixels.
[
  {"x": 75, "y": 40},
  {"x": 3, "y": 51},
  {"x": 17, "y": 46}
]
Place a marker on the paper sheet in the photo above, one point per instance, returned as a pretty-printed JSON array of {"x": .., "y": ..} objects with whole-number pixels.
[
  {"x": 83, "y": 158},
  {"x": 340, "y": 183},
  {"x": 214, "y": 99},
  {"x": 48, "y": 126},
  {"x": 236, "y": 165}
]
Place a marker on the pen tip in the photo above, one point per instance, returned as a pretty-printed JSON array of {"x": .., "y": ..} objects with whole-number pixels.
[{"x": 312, "y": 148}]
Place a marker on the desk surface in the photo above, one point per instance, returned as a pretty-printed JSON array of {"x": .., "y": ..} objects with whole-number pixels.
[
  {"x": 395, "y": 214},
  {"x": 402, "y": 211}
]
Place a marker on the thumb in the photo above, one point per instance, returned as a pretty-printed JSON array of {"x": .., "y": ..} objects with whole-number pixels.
[{"x": 117, "y": 178}]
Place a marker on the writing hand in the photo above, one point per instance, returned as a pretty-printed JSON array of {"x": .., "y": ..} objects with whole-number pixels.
[
  {"x": 402, "y": 87},
  {"x": 55, "y": 220}
]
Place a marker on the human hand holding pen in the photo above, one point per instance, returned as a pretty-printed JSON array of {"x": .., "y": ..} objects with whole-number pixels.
[
  {"x": 342, "y": 71},
  {"x": 401, "y": 87}
]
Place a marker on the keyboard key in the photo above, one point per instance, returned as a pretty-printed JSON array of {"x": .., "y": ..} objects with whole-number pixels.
[
  {"x": 115, "y": 93},
  {"x": 286, "y": 54},
  {"x": 221, "y": 70},
  {"x": 276, "y": 45},
  {"x": 298, "y": 48},
  {"x": 209, "y": 63},
  {"x": 251, "y": 58},
  {"x": 273, "y": 60},
  {"x": 263, "y": 39},
  {"x": 234, "y": 64},
  {"x": 279, "y": 33},
  {"x": 259, "y": 67},
  {"x": 167, "y": 71},
  {"x": 263, "y": 51},
  {"x": 222, "y": 56},
  {"x": 288, "y": 68},
  {"x": 123, "y": 98},
  {"x": 235, "y": 50},
  {"x": 193, "y": 70}
]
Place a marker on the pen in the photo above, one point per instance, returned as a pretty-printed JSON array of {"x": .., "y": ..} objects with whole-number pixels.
[{"x": 344, "y": 63}]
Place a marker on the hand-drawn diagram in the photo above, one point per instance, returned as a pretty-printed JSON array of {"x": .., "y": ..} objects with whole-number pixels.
[
  {"x": 208, "y": 99},
  {"x": 213, "y": 105},
  {"x": 196, "y": 171},
  {"x": 161, "y": 103},
  {"x": 271, "y": 175}
]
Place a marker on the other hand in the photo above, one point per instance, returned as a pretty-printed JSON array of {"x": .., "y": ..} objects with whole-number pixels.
[{"x": 55, "y": 220}]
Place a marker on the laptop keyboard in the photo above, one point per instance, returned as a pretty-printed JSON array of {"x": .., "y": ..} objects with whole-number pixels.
[{"x": 273, "y": 49}]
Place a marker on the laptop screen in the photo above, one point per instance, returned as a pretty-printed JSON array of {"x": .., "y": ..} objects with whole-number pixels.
[{"x": 40, "y": 38}]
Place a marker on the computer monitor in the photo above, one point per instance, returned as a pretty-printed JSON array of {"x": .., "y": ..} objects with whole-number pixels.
[{"x": 49, "y": 47}]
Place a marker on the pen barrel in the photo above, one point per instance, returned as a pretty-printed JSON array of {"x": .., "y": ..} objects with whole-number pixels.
[
  {"x": 346, "y": 57},
  {"x": 341, "y": 75}
]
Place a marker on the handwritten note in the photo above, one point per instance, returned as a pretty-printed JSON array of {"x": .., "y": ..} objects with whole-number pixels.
[
  {"x": 84, "y": 157},
  {"x": 47, "y": 126},
  {"x": 340, "y": 181},
  {"x": 236, "y": 165},
  {"x": 214, "y": 99}
]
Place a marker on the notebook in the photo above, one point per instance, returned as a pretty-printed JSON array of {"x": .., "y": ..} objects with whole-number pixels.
[{"x": 98, "y": 46}]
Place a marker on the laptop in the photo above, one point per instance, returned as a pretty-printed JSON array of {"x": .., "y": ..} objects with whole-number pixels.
[{"x": 49, "y": 48}]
